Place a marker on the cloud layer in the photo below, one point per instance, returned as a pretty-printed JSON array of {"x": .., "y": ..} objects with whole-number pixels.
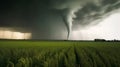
[{"x": 52, "y": 19}]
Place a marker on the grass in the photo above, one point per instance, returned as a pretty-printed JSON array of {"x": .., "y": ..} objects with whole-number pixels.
[{"x": 59, "y": 54}]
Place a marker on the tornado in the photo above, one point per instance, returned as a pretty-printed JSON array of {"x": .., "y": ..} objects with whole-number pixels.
[
  {"x": 68, "y": 16},
  {"x": 68, "y": 25}
]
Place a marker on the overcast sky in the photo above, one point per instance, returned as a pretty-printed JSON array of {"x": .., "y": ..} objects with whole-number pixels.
[
  {"x": 56, "y": 19},
  {"x": 108, "y": 28}
]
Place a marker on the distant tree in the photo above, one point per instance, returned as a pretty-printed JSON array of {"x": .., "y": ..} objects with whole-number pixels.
[
  {"x": 99, "y": 40},
  {"x": 116, "y": 40}
]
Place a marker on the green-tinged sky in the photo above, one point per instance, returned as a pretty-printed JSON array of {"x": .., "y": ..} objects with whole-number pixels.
[{"x": 59, "y": 19}]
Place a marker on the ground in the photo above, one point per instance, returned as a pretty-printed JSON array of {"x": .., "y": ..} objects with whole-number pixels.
[{"x": 59, "y": 54}]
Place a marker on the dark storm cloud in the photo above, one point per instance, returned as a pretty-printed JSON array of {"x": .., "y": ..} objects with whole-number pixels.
[
  {"x": 92, "y": 12},
  {"x": 35, "y": 15},
  {"x": 51, "y": 19}
]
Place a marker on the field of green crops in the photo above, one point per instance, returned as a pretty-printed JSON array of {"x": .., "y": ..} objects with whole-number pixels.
[{"x": 59, "y": 54}]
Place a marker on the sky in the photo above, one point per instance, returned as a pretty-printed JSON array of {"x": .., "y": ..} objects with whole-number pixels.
[
  {"x": 60, "y": 19},
  {"x": 108, "y": 29}
]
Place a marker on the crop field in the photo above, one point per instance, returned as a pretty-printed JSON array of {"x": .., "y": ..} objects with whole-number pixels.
[{"x": 59, "y": 54}]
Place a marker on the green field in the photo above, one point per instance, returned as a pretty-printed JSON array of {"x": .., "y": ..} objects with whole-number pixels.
[{"x": 59, "y": 54}]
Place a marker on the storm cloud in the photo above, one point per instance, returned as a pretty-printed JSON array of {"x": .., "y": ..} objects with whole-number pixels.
[
  {"x": 54, "y": 19},
  {"x": 85, "y": 11}
]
